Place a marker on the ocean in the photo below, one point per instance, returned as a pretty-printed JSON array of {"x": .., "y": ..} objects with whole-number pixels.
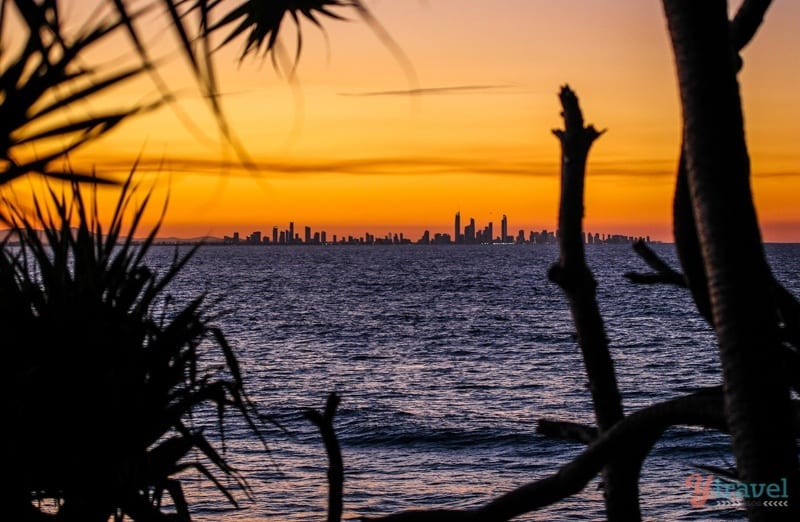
[{"x": 444, "y": 357}]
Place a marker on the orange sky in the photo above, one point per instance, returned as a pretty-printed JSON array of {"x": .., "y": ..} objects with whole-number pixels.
[{"x": 338, "y": 154}]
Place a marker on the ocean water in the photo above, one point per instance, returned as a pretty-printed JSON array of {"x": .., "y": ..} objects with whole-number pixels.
[{"x": 445, "y": 357}]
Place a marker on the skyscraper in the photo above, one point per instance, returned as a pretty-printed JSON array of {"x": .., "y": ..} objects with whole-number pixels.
[
  {"x": 469, "y": 231},
  {"x": 504, "y": 229},
  {"x": 457, "y": 236}
]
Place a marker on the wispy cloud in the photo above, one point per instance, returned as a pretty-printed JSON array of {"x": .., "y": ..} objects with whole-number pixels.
[
  {"x": 454, "y": 89},
  {"x": 388, "y": 166}
]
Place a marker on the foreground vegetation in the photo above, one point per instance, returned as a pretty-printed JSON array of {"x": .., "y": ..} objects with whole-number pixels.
[{"x": 105, "y": 371}]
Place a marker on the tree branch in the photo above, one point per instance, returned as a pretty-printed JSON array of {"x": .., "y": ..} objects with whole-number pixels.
[
  {"x": 746, "y": 22},
  {"x": 636, "y": 433},
  {"x": 663, "y": 272},
  {"x": 571, "y": 272},
  {"x": 324, "y": 421},
  {"x": 576, "y": 280}
]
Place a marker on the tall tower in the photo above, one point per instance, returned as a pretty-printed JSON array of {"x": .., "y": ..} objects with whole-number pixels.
[
  {"x": 457, "y": 236},
  {"x": 504, "y": 229},
  {"x": 291, "y": 233}
]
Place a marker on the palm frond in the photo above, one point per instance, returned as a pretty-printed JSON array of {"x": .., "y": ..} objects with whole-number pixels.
[
  {"x": 33, "y": 110},
  {"x": 260, "y": 21}
]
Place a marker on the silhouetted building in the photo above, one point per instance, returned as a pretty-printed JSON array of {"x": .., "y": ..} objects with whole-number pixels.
[
  {"x": 457, "y": 227},
  {"x": 504, "y": 230},
  {"x": 231, "y": 240},
  {"x": 487, "y": 234},
  {"x": 469, "y": 231}
]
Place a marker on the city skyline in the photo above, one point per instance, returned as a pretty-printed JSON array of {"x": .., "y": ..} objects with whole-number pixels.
[{"x": 466, "y": 234}]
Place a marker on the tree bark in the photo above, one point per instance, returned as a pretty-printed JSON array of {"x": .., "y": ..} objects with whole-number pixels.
[
  {"x": 739, "y": 281},
  {"x": 687, "y": 244}
]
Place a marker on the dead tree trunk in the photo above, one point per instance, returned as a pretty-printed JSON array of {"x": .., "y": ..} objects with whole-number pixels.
[
  {"x": 739, "y": 281},
  {"x": 620, "y": 477},
  {"x": 743, "y": 28}
]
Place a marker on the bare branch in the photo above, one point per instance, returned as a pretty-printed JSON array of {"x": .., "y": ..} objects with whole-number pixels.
[
  {"x": 746, "y": 22},
  {"x": 663, "y": 272},
  {"x": 635, "y": 434},
  {"x": 571, "y": 272},
  {"x": 324, "y": 421},
  {"x": 574, "y": 277}
]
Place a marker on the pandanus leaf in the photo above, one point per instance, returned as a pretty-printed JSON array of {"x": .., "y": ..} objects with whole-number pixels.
[{"x": 68, "y": 285}]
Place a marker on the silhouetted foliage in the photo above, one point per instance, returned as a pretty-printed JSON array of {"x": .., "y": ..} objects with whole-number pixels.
[
  {"x": 262, "y": 21},
  {"x": 104, "y": 371},
  {"x": 42, "y": 80}
]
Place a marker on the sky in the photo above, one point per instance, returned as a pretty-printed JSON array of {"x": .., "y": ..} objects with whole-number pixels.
[{"x": 345, "y": 148}]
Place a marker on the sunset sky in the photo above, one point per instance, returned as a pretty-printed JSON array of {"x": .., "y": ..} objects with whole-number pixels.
[{"x": 348, "y": 151}]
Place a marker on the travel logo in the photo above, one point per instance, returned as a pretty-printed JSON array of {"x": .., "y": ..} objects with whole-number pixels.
[{"x": 729, "y": 493}]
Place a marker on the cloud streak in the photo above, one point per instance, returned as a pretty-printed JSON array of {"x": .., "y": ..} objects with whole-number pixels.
[
  {"x": 422, "y": 91},
  {"x": 389, "y": 166}
]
